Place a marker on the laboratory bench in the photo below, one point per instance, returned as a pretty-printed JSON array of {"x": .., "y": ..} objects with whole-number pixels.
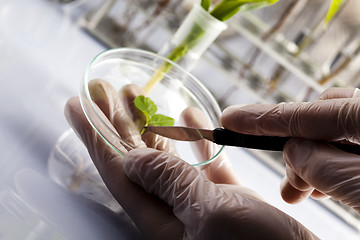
[{"x": 45, "y": 48}]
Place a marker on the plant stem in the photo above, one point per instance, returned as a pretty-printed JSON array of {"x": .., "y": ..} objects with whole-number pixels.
[
  {"x": 223, "y": 11},
  {"x": 191, "y": 40},
  {"x": 156, "y": 77}
]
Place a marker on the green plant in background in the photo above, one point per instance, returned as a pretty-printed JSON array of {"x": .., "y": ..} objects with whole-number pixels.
[
  {"x": 321, "y": 26},
  {"x": 333, "y": 9},
  {"x": 149, "y": 109},
  {"x": 222, "y": 11},
  {"x": 317, "y": 30},
  {"x": 228, "y": 8}
]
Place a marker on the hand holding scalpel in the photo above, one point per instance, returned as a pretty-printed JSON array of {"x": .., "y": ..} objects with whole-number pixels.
[{"x": 227, "y": 137}]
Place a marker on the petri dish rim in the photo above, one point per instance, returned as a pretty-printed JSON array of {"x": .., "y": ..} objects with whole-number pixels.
[{"x": 85, "y": 99}]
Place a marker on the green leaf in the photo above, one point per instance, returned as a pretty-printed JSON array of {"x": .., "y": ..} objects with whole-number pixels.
[
  {"x": 333, "y": 9},
  {"x": 228, "y": 8},
  {"x": 148, "y": 107},
  {"x": 206, "y": 4},
  {"x": 145, "y": 105},
  {"x": 161, "y": 120}
]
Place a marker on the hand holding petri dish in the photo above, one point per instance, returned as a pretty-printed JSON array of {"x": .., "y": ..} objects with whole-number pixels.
[{"x": 116, "y": 77}]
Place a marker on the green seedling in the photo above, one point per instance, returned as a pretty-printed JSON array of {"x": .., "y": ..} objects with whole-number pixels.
[
  {"x": 149, "y": 109},
  {"x": 222, "y": 11}
]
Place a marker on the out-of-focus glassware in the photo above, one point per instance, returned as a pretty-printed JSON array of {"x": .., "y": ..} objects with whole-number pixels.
[
  {"x": 70, "y": 166},
  {"x": 14, "y": 212}
]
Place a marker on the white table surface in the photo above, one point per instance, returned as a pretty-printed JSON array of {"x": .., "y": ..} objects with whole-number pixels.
[{"x": 43, "y": 55}]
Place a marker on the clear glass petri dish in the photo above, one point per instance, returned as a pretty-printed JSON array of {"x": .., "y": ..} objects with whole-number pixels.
[{"x": 177, "y": 91}]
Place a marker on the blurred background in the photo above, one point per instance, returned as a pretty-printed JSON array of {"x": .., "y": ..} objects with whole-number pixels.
[{"x": 281, "y": 53}]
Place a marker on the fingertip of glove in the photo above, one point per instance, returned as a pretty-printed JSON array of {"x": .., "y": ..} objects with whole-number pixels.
[
  {"x": 71, "y": 104},
  {"x": 290, "y": 194},
  {"x": 73, "y": 111},
  {"x": 296, "y": 152},
  {"x": 191, "y": 114},
  {"x": 229, "y": 116},
  {"x": 194, "y": 117},
  {"x": 132, "y": 90},
  {"x": 233, "y": 108}
]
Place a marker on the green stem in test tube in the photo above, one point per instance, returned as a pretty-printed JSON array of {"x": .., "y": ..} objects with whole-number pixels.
[{"x": 191, "y": 40}]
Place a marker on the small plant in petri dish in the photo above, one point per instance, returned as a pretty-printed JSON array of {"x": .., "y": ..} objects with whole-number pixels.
[{"x": 149, "y": 108}]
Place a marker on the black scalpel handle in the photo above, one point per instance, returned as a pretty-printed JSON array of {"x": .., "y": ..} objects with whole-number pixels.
[
  {"x": 229, "y": 138},
  {"x": 226, "y": 137}
]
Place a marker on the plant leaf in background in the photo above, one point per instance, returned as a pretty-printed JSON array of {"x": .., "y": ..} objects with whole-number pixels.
[
  {"x": 255, "y": 5},
  {"x": 228, "y": 8},
  {"x": 222, "y": 12},
  {"x": 333, "y": 9},
  {"x": 205, "y": 4}
]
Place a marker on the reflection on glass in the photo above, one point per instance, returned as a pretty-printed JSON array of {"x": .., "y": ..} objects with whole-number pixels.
[{"x": 70, "y": 166}]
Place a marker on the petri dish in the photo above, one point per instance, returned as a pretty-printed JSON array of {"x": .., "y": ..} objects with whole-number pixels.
[{"x": 177, "y": 91}]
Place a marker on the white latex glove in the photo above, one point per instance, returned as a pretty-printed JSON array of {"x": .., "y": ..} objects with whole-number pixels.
[
  {"x": 170, "y": 199},
  {"x": 312, "y": 167}
]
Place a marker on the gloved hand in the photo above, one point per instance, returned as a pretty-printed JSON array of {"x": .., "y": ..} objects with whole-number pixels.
[
  {"x": 312, "y": 167},
  {"x": 170, "y": 199}
]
